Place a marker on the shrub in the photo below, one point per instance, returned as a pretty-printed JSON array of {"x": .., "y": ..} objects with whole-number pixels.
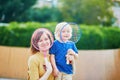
[{"x": 93, "y": 37}]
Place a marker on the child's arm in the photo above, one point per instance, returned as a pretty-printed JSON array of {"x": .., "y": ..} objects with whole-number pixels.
[
  {"x": 55, "y": 69},
  {"x": 71, "y": 60}
]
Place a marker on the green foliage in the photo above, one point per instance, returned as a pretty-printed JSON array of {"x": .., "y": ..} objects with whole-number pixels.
[
  {"x": 99, "y": 37},
  {"x": 112, "y": 37},
  {"x": 11, "y": 10},
  {"x": 88, "y": 11},
  {"x": 44, "y": 14},
  {"x": 93, "y": 37}
]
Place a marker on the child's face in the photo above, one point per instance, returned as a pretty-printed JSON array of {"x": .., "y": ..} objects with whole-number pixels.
[
  {"x": 66, "y": 33},
  {"x": 44, "y": 42}
]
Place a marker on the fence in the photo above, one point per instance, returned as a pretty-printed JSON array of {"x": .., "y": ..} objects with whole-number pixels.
[{"x": 91, "y": 64}]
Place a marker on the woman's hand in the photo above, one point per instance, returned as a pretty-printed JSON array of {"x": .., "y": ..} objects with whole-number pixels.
[
  {"x": 48, "y": 66},
  {"x": 48, "y": 70}
]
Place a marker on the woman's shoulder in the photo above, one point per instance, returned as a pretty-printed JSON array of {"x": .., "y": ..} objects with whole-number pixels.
[{"x": 34, "y": 57}]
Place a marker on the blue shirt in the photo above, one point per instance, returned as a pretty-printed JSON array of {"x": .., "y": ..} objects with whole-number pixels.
[{"x": 60, "y": 50}]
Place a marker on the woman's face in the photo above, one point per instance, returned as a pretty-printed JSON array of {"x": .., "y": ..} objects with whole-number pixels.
[
  {"x": 66, "y": 33},
  {"x": 44, "y": 42}
]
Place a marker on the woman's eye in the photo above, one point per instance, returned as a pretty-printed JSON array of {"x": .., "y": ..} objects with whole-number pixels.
[
  {"x": 46, "y": 38},
  {"x": 40, "y": 40}
]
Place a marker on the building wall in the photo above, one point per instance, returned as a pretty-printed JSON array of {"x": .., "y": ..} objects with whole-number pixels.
[
  {"x": 116, "y": 12},
  {"x": 48, "y": 3},
  {"x": 91, "y": 64}
]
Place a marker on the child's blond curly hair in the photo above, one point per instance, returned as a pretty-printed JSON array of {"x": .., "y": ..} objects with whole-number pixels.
[{"x": 58, "y": 29}]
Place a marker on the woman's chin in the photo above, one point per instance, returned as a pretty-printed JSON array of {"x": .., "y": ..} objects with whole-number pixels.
[{"x": 45, "y": 49}]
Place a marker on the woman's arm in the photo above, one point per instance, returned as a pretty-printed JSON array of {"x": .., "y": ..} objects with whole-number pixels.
[
  {"x": 33, "y": 69},
  {"x": 48, "y": 72}
]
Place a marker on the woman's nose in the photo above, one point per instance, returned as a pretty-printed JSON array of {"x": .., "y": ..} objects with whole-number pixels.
[{"x": 44, "y": 42}]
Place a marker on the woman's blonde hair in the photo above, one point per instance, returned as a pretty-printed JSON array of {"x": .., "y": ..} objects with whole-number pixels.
[{"x": 58, "y": 29}]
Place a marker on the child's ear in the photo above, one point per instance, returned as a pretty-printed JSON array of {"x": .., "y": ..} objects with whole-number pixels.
[{"x": 58, "y": 34}]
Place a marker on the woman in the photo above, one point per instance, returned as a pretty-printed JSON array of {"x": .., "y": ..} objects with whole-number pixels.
[{"x": 39, "y": 66}]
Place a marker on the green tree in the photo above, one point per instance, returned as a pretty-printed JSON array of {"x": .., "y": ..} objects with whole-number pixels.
[
  {"x": 11, "y": 10},
  {"x": 44, "y": 14},
  {"x": 87, "y": 11}
]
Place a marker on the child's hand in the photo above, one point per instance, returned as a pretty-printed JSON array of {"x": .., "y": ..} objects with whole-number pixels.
[
  {"x": 70, "y": 56},
  {"x": 55, "y": 72},
  {"x": 70, "y": 52},
  {"x": 70, "y": 59}
]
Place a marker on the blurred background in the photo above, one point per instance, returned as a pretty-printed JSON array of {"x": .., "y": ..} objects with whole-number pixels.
[{"x": 99, "y": 21}]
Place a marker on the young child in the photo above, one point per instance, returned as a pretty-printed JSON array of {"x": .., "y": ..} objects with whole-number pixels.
[
  {"x": 63, "y": 50},
  {"x": 39, "y": 66}
]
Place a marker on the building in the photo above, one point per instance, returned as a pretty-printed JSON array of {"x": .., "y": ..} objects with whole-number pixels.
[
  {"x": 48, "y": 3},
  {"x": 116, "y": 12}
]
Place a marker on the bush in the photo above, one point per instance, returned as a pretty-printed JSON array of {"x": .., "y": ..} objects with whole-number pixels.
[
  {"x": 112, "y": 37},
  {"x": 20, "y": 34},
  {"x": 93, "y": 37}
]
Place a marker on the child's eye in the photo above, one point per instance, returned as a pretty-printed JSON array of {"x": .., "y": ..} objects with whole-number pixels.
[
  {"x": 63, "y": 31},
  {"x": 68, "y": 31}
]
